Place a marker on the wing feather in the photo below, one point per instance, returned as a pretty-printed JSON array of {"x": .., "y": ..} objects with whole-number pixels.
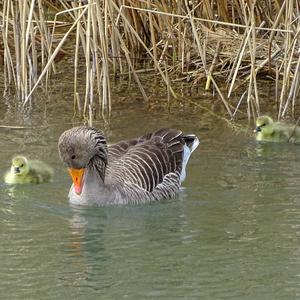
[{"x": 147, "y": 160}]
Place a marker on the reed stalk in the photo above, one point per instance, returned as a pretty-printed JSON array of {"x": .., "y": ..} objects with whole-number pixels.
[{"x": 228, "y": 44}]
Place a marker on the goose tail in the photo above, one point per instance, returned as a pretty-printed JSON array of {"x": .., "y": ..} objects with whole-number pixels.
[{"x": 191, "y": 143}]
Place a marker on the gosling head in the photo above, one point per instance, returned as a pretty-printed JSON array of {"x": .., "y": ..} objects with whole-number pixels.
[
  {"x": 19, "y": 165},
  {"x": 264, "y": 124}
]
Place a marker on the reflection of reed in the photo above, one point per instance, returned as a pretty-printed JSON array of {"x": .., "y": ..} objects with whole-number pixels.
[
  {"x": 77, "y": 226},
  {"x": 194, "y": 39},
  {"x": 75, "y": 244}
]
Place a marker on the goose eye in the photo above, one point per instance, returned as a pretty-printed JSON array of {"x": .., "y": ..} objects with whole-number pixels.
[
  {"x": 262, "y": 125},
  {"x": 73, "y": 156},
  {"x": 22, "y": 166}
]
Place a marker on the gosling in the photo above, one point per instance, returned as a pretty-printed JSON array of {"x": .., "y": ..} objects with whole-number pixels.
[
  {"x": 28, "y": 171},
  {"x": 269, "y": 131}
]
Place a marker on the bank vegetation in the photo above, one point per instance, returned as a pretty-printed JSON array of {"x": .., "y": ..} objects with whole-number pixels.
[{"x": 224, "y": 46}]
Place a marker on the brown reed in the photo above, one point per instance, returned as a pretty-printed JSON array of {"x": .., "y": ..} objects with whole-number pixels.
[{"x": 225, "y": 45}]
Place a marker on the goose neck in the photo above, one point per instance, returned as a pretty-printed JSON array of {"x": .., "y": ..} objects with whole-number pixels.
[{"x": 97, "y": 166}]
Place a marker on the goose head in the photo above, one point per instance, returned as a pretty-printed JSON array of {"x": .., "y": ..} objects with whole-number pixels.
[
  {"x": 83, "y": 148},
  {"x": 19, "y": 166},
  {"x": 264, "y": 125}
]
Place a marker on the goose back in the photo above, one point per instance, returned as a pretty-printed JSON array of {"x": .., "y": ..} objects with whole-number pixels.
[{"x": 150, "y": 167}]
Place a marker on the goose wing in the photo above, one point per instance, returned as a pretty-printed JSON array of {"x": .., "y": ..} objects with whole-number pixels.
[
  {"x": 116, "y": 151},
  {"x": 145, "y": 161}
]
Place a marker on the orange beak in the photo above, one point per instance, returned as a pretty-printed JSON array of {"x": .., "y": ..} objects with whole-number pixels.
[{"x": 77, "y": 177}]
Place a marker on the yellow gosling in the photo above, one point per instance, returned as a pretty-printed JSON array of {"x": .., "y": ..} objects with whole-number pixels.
[
  {"x": 269, "y": 131},
  {"x": 28, "y": 171}
]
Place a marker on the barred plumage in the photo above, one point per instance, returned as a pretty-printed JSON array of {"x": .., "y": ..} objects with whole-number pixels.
[{"x": 148, "y": 168}]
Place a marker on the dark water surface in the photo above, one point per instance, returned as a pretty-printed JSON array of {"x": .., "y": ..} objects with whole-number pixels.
[{"x": 232, "y": 233}]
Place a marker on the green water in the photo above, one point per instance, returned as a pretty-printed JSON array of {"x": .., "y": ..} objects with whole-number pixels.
[{"x": 232, "y": 233}]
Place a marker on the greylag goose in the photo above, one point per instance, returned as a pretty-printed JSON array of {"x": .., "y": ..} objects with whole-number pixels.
[
  {"x": 269, "y": 131},
  {"x": 23, "y": 170},
  {"x": 140, "y": 170}
]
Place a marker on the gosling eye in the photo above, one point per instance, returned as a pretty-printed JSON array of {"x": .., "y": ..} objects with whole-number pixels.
[
  {"x": 73, "y": 156},
  {"x": 262, "y": 125},
  {"x": 21, "y": 166}
]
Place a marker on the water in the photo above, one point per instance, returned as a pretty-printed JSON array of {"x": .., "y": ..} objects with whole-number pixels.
[{"x": 232, "y": 233}]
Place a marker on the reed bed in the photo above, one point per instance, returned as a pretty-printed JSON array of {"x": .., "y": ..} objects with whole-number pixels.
[{"x": 224, "y": 46}]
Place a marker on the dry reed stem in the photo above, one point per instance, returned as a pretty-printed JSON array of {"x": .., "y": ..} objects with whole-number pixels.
[
  {"x": 204, "y": 20},
  {"x": 240, "y": 57},
  {"x": 76, "y": 58},
  {"x": 182, "y": 40},
  {"x": 147, "y": 50},
  {"x": 51, "y": 59},
  {"x": 106, "y": 95},
  {"x": 213, "y": 63}
]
